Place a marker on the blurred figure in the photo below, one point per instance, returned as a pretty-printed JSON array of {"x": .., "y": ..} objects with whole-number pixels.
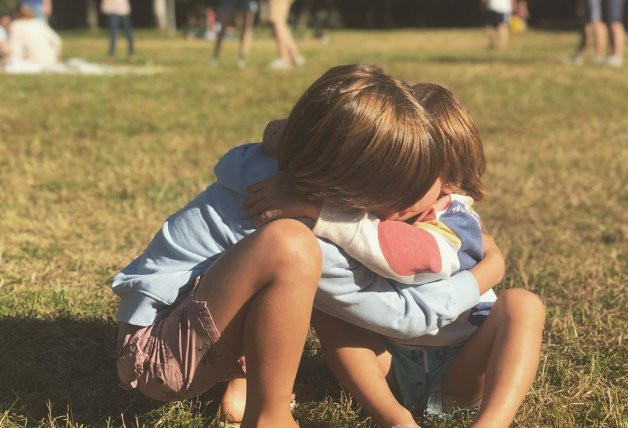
[
  {"x": 287, "y": 52},
  {"x": 33, "y": 45},
  {"x": 593, "y": 9},
  {"x": 614, "y": 17},
  {"x": 600, "y": 17},
  {"x": 5, "y": 21},
  {"x": 229, "y": 12},
  {"x": 119, "y": 14},
  {"x": 42, "y": 9},
  {"x": 586, "y": 34},
  {"x": 497, "y": 15},
  {"x": 212, "y": 26},
  {"x": 519, "y": 21},
  {"x": 192, "y": 29}
]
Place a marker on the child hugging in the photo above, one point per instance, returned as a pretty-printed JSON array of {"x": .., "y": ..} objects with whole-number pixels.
[{"x": 384, "y": 182}]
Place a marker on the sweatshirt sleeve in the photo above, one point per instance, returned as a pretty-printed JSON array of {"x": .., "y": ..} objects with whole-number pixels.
[
  {"x": 408, "y": 253},
  {"x": 349, "y": 291},
  {"x": 464, "y": 222}
]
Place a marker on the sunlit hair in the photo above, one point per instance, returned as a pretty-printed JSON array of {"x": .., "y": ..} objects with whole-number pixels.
[
  {"x": 464, "y": 161},
  {"x": 358, "y": 138}
]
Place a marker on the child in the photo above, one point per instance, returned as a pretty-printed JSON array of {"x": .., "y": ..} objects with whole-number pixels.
[
  {"x": 196, "y": 299},
  {"x": 445, "y": 237},
  {"x": 497, "y": 18}
]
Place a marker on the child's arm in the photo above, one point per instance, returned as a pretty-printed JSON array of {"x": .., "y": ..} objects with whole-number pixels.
[
  {"x": 490, "y": 270},
  {"x": 410, "y": 254}
]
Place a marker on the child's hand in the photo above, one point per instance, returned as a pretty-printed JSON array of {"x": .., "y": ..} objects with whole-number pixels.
[
  {"x": 275, "y": 198},
  {"x": 272, "y": 135}
]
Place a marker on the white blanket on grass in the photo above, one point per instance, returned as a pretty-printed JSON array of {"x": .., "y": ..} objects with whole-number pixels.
[{"x": 78, "y": 66}]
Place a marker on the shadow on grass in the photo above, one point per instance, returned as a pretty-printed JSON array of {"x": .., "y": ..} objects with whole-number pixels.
[{"x": 69, "y": 365}]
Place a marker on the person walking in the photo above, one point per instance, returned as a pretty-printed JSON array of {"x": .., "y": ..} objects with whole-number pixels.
[
  {"x": 287, "y": 51},
  {"x": 230, "y": 11},
  {"x": 119, "y": 14}
]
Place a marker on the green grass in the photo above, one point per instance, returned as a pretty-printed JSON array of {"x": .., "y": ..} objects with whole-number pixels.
[{"x": 91, "y": 166}]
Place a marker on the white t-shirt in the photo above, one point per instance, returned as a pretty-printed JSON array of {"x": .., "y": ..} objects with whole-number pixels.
[
  {"x": 3, "y": 34},
  {"x": 115, "y": 7},
  {"x": 500, "y": 6},
  {"x": 33, "y": 41}
]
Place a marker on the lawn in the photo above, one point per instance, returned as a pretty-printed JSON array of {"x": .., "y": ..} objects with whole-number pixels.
[{"x": 91, "y": 166}]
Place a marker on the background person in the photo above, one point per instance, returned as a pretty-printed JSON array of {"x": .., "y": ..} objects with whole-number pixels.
[
  {"x": 586, "y": 35},
  {"x": 33, "y": 45},
  {"x": 231, "y": 10},
  {"x": 119, "y": 14},
  {"x": 593, "y": 9},
  {"x": 287, "y": 51},
  {"x": 614, "y": 18},
  {"x": 497, "y": 19}
]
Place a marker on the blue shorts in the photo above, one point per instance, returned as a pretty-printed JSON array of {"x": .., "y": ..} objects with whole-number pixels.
[{"x": 419, "y": 374}]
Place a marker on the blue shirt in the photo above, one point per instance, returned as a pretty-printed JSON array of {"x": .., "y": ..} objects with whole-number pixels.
[{"x": 190, "y": 240}]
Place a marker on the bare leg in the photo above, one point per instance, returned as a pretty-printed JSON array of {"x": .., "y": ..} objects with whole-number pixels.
[
  {"x": 260, "y": 295},
  {"x": 247, "y": 35},
  {"x": 502, "y": 32},
  {"x": 291, "y": 46},
  {"x": 226, "y": 17},
  {"x": 619, "y": 35},
  {"x": 361, "y": 362},
  {"x": 600, "y": 38},
  {"x": 490, "y": 35},
  {"x": 279, "y": 29},
  {"x": 498, "y": 363}
]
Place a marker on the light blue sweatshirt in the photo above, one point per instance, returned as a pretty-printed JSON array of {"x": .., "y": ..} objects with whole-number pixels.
[{"x": 191, "y": 239}]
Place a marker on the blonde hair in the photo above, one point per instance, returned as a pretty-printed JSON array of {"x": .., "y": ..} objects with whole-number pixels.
[
  {"x": 464, "y": 160},
  {"x": 357, "y": 138}
]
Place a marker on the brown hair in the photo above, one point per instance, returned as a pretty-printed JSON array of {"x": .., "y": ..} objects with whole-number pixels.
[
  {"x": 358, "y": 138},
  {"x": 464, "y": 161}
]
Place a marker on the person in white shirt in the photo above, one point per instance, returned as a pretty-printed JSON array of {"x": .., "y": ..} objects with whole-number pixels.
[
  {"x": 33, "y": 45},
  {"x": 497, "y": 18}
]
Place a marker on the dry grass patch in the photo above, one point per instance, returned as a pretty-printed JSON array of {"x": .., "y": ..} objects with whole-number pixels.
[{"x": 90, "y": 167}]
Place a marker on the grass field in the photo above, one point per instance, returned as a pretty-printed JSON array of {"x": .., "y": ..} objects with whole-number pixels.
[{"x": 91, "y": 166}]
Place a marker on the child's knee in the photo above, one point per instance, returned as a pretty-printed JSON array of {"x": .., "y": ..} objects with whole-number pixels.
[
  {"x": 291, "y": 243},
  {"x": 523, "y": 304}
]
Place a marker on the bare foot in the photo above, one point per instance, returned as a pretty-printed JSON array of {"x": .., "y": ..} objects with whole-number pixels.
[{"x": 233, "y": 400}]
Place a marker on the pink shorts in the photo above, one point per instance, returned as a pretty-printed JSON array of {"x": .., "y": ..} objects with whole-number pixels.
[{"x": 177, "y": 357}]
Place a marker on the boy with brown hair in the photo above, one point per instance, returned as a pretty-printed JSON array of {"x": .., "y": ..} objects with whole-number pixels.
[
  {"x": 197, "y": 299},
  {"x": 438, "y": 368}
]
